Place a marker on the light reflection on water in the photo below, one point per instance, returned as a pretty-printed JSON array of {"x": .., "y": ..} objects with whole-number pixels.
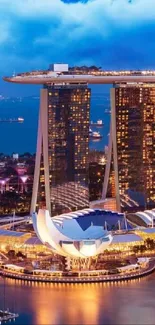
[{"x": 97, "y": 303}]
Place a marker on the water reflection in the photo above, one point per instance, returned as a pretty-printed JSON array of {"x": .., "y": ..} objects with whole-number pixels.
[{"x": 111, "y": 303}]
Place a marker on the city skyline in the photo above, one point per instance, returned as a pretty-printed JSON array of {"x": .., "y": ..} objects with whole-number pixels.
[{"x": 77, "y": 189}]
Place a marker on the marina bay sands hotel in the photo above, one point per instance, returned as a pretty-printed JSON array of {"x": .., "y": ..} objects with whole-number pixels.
[{"x": 62, "y": 158}]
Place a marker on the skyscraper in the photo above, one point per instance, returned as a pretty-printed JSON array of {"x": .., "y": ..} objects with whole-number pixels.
[
  {"x": 133, "y": 143},
  {"x": 63, "y": 147}
]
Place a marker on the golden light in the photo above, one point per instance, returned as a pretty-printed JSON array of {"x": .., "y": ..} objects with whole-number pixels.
[{"x": 103, "y": 161}]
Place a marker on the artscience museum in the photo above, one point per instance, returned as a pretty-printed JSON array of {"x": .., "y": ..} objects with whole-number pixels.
[{"x": 80, "y": 234}]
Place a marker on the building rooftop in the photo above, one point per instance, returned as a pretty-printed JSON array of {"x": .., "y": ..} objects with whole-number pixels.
[
  {"x": 33, "y": 241},
  {"x": 142, "y": 218},
  {"x": 125, "y": 238},
  {"x": 9, "y": 233},
  {"x": 61, "y": 73},
  {"x": 96, "y": 217},
  {"x": 80, "y": 79},
  {"x": 148, "y": 230}
]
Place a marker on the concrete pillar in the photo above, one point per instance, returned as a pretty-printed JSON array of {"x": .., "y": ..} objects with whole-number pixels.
[
  {"x": 112, "y": 149},
  {"x": 42, "y": 142},
  {"x": 108, "y": 165},
  {"x": 44, "y": 121},
  {"x": 114, "y": 144}
]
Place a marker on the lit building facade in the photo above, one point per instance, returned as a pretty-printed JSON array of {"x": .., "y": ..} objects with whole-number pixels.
[
  {"x": 65, "y": 236},
  {"x": 96, "y": 176},
  {"x": 131, "y": 138},
  {"x": 133, "y": 144},
  {"x": 63, "y": 149}
]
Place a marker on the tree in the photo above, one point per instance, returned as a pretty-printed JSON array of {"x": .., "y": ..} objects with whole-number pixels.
[
  {"x": 20, "y": 254},
  {"x": 11, "y": 253},
  {"x": 135, "y": 249},
  {"x": 26, "y": 155},
  {"x": 142, "y": 248},
  {"x": 150, "y": 244}
]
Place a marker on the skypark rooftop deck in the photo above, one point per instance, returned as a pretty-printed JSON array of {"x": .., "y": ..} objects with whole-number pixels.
[
  {"x": 80, "y": 79},
  {"x": 62, "y": 74}
]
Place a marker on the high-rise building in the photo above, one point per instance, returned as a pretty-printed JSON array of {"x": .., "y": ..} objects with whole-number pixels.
[
  {"x": 96, "y": 177},
  {"x": 63, "y": 148},
  {"x": 61, "y": 171},
  {"x": 133, "y": 144}
]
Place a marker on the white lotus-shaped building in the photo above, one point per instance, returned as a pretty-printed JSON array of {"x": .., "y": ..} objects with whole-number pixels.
[{"x": 64, "y": 236}]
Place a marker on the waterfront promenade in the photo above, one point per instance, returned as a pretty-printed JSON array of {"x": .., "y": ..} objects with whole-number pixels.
[{"x": 83, "y": 279}]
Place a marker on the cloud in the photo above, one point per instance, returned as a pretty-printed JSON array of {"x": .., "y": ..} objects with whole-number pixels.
[
  {"x": 74, "y": 1},
  {"x": 114, "y": 9},
  {"x": 110, "y": 33},
  {"x": 5, "y": 29}
]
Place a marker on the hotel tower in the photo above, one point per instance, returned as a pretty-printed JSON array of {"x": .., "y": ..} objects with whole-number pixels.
[
  {"x": 61, "y": 170},
  {"x": 132, "y": 145}
]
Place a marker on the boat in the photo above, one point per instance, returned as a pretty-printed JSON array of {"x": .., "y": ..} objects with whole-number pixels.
[
  {"x": 99, "y": 123},
  {"x": 20, "y": 119},
  {"x": 107, "y": 111},
  {"x": 5, "y": 314},
  {"x": 95, "y": 135},
  {"x": 11, "y": 120},
  {"x": 90, "y": 132}
]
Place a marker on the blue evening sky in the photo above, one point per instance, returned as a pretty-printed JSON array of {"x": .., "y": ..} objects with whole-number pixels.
[{"x": 114, "y": 34}]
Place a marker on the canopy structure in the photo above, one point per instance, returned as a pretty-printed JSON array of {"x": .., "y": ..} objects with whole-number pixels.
[{"x": 68, "y": 238}]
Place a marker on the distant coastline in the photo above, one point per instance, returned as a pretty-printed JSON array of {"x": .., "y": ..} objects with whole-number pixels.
[{"x": 22, "y": 137}]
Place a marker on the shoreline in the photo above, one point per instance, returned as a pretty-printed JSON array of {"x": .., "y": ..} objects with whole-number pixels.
[{"x": 72, "y": 279}]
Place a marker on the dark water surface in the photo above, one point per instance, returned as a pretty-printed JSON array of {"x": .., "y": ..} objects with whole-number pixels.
[
  {"x": 20, "y": 138},
  {"x": 111, "y": 303}
]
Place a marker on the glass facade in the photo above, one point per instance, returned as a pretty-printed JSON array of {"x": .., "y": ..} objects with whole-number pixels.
[
  {"x": 68, "y": 147},
  {"x": 135, "y": 135},
  {"x": 41, "y": 202}
]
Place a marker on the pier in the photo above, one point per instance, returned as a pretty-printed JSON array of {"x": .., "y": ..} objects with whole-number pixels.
[
  {"x": 5, "y": 313},
  {"x": 7, "y": 316}
]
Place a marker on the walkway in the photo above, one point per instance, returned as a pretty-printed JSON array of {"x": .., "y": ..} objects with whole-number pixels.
[{"x": 85, "y": 279}]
